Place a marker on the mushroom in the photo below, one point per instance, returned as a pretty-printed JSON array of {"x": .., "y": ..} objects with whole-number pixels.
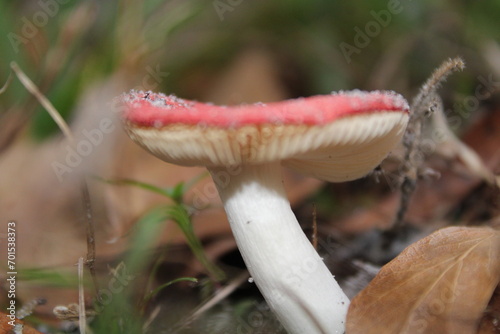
[{"x": 337, "y": 137}]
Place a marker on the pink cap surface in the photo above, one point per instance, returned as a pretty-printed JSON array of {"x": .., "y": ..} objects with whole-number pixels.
[
  {"x": 149, "y": 109},
  {"x": 334, "y": 137}
]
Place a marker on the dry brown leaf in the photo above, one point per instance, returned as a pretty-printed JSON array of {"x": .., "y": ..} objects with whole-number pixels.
[
  {"x": 441, "y": 284},
  {"x": 7, "y": 328}
]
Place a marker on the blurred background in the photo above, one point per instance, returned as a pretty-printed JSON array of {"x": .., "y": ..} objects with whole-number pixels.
[{"x": 82, "y": 54}]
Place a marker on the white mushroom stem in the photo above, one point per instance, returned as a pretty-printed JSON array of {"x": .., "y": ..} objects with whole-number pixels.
[{"x": 288, "y": 271}]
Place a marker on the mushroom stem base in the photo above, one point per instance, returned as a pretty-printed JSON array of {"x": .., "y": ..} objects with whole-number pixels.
[{"x": 288, "y": 271}]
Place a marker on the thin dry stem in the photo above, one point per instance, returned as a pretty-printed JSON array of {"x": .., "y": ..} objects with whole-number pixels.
[
  {"x": 434, "y": 82},
  {"x": 61, "y": 123},
  {"x": 152, "y": 316},
  {"x": 89, "y": 218},
  {"x": 82, "y": 319},
  {"x": 7, "y": 84},
  {"x": 33, "y": 89},
  {"x": 424, "y": 104},
  {"x": 217, "y": 298}
]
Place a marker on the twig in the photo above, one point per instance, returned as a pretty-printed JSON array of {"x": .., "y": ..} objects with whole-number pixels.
[
  {"x": 33, "y": 89},
  {"x": 61, "y": 123},
  {"x": 89, "y": 218},
  {"x": 423, "y": 106},
  {"x": 7, "y": 84},
  {"x": 82, "y": 318},
  {"x": 152, "y": 316},
  {"x": 217, "y": 298},
  {"x": 434, "y": 82}
]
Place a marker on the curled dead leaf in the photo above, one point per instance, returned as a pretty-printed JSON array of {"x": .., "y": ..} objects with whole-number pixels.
[{"x": 440, "y": 284}]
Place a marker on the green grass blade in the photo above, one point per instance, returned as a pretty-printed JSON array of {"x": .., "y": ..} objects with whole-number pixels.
[
  {"x": 147, "y": 232},
  {"x": 163, "y": 286},
  {"x": 180, "y": 216}
]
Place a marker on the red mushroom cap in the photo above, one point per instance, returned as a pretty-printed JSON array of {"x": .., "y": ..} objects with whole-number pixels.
[
  {"x": 156, "y": 109},
  {"x": 334, "y": 137}
]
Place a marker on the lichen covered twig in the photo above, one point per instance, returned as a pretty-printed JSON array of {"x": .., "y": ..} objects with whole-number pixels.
[{"x": 413, "y": 166}]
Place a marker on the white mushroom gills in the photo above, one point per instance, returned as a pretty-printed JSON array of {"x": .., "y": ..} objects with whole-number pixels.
[{"x": 288, "y": 271}]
